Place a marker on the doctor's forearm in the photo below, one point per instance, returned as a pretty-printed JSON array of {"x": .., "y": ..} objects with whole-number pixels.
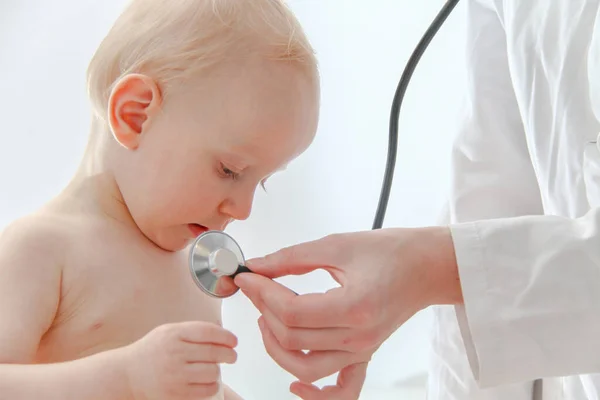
[{"x": 442, "y": 269}]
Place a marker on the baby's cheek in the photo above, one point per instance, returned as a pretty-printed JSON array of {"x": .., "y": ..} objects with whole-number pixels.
[{"x": 192, "y": 203}]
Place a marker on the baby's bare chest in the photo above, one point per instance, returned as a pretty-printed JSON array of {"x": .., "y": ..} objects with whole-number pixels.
[{"x": 114, "y": 295}]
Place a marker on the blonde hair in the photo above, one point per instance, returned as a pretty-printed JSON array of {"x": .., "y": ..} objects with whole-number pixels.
[{"x": 171, "y": 40}]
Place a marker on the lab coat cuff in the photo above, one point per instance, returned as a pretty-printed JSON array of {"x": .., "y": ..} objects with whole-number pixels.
[
  {"x": 498, "y": 353},
  {"x": 469, "y": 257}
]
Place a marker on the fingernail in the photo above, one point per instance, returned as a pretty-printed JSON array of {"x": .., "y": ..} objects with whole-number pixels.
[
  {"x": 254, "y": 261},
  {"x": 241, "y": 280}
]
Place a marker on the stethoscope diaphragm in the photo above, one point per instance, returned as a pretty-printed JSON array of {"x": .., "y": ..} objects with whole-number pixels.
[{"x": 215, "y": 259}]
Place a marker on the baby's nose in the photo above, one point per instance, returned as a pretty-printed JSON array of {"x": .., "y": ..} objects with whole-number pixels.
[
  {"x": 238, "y": 208},
  {"x": 243, "y": 212}
]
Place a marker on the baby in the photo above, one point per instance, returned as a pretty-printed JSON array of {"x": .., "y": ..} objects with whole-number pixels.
[{"x": 195, "y": 104}]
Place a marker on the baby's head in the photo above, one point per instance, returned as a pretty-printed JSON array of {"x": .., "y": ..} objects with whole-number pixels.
[{"x": 197, "y": 103}]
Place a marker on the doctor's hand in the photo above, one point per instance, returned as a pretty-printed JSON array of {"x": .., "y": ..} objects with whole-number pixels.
[{"x": 385, "y": 277}]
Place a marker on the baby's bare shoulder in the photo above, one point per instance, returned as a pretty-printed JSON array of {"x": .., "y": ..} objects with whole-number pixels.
[
  {"x": 35, "y": 236},
  {"x": 31, "y": 251},
  {"x": 32, "y": 248}
]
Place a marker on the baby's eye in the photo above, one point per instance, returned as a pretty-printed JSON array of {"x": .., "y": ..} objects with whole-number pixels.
[{"x": 229, "y": 173}]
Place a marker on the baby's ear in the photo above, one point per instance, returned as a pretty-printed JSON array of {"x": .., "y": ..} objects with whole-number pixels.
[{"x": 133, "y": 101}]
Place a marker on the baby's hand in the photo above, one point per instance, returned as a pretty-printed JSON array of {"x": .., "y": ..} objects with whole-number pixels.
[{"x": 179, "y": 361}]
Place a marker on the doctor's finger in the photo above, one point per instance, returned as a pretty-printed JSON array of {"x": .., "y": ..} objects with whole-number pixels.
[
  {"x": 349, "y": 385},
  {"x": 225, "y": 285},
  {"x": 308, "y": 367},
  {"x": 315, "y": 310},
  {"x": 253, "y": 285},
  {"x": 296, "y": 260},
  {"x": 306, "y": 338}
]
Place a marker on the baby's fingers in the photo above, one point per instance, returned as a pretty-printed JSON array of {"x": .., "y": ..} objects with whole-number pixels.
[
  {"x": 196, "y": 391},
  {"x": 205, "y": 332},
  {"x": 210, "y": 353},
  {"x": 202, "y": 373}
]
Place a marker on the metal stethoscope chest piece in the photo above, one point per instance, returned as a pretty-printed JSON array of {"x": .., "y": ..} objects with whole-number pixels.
[{"x": 215, "y": 259}]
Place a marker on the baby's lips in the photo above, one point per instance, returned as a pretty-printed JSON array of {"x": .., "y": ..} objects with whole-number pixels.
[{"x": 197, "y": 229}]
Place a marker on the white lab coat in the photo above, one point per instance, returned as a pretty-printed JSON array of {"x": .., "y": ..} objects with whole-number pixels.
[{"x": 524, "y": 165}]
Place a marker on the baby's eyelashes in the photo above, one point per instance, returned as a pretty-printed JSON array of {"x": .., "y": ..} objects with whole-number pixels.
[{"x": 229, "y": 173}]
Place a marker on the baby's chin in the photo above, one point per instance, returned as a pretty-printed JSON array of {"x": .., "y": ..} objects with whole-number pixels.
[{"x": 171, "y": 240}]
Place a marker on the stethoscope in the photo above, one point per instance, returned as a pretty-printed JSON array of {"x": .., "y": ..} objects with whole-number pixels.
[{"x": 216, "y": 258}]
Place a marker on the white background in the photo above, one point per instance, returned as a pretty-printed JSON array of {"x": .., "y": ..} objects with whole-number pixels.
[{"x": 362, "y": 47}]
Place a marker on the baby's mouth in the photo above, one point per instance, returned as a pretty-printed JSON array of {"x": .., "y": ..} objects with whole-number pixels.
[{"x": 197, "y": 229}]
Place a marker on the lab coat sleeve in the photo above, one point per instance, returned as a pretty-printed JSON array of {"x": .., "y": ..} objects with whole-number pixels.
[
  {"x": 532, "y": 296},
  {"x": 492, "y": 177}
]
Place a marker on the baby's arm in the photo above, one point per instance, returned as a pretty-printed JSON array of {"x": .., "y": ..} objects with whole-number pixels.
[
  {"x": 96, "y": 377},
  {"x": 31, "y": 254}
]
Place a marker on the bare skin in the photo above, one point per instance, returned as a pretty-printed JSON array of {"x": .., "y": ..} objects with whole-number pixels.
[{"x": 96, "y": 299}]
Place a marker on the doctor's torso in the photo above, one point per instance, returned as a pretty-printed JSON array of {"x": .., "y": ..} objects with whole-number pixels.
[
  {"x": 554, "y": 61},
  {"x": 545, "y": 133},
  {"x": 553, "y": 54}
]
